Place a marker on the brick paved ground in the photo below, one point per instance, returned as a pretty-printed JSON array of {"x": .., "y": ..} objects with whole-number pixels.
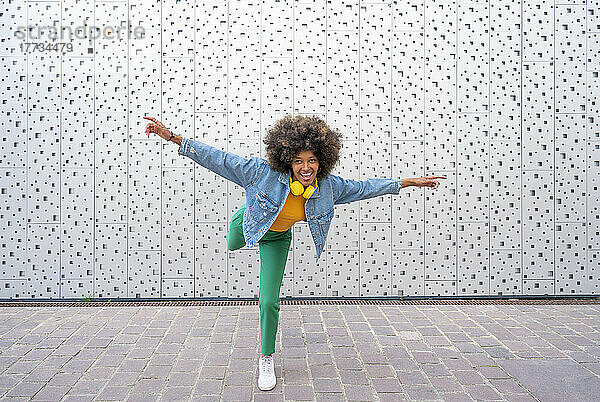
[{"x": 330, "y": 352}]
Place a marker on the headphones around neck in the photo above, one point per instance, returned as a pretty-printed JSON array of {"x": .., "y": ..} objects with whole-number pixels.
[{"x": 297, "y": 188}]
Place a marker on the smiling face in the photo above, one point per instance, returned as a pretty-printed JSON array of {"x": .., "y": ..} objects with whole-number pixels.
[{"x": 304, "y": 167}]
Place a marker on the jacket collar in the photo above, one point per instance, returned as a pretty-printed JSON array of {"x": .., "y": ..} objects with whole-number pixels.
[{"x": 285, "y": 179}]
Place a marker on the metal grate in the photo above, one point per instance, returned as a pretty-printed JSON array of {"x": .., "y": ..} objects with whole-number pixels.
[{"x": 254, "y": 302}]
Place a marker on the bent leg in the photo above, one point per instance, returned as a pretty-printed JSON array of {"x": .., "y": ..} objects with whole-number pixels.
[
  {"x": 274, "y": 248},
  {"x": 235, "y": 236}
]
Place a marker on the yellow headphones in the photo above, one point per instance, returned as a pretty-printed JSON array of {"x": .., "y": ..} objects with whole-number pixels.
[{"x": 297, "y": 188}]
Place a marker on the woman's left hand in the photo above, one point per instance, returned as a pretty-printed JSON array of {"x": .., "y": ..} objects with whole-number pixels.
[{"x": 427, "y": 181}]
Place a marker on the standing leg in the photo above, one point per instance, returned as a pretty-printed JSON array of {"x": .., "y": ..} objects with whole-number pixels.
[{"x": 274, "y": 248}]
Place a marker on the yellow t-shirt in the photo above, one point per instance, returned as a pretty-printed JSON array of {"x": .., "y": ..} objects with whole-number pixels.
[{"x": 292, "y": 212}]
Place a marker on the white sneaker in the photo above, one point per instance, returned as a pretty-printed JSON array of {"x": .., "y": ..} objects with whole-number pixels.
[{"x": 266, "y": 373}]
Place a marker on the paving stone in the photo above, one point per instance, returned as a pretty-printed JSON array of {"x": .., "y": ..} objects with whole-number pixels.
[
  {"x": 344, "y": 352},
  {"x": 437, "y": 341},
  {"x": 358, "y": 393},
  {"x": 445, "y": 353},
  {"x": 185, "y": 379},
  {"x": 22, "y": 367},
  {"x": 51, "y": 393},
  {"x": 348, "y": 364},
  {"x": 99, "y": 373},
  {"x": 582, "y": 357},
  {"x": 296, "y": 377},
  {"x": 208, "y": 387},
  {"x": 113, "y": 393},
  {"x": 110, "y": 360},
  {"x": 482, "y": 393},
  {"x": 455, "y": 396},
  {"x": 78, "y": 398},
  {"x": 412, "y": 377},
  {"x": 479, "y": 359},
  {"x": 435, "y": 370},
  {"x": 468, "y": 377},
  {"x": 149, "y": 385},
  {"x": 380, "y": 371},
  {"x": 27, "y": 389},
  {"x": 392, "y": 397},
  {"x": 353, "y": 377},
  {"x": 319, "y": 358},
  {"x": 554, "y": 379},
  {"x": 214, "y": 372},
  {"x": 396, "y": 353},
  {"x": 179, "y": 393},
  {"x": 469, "y": 347},
  {"x": 520, "y": 398},
  {"x": 87, "y": 387},
  {"x": 404, "y": 364},
  {"x": 136, "y": 365},
  {"x": 507, "y": 386},
  {"x": 323, "y": 371},
  {"x": 295, "y": 364},
  {"x": 492, "y": 372},
  {"x": 298, "y": 352},
  {"x": 458, "y": 364},
  {"x": 386, "y": 385},
  {"x": 121, "y": 379},
  {"x": 37, "y": 354},
  {"x": 446, "y": 384},
  {"x": 67, "y": 379},
  {"x": 187, "y": 365},
  {"x": 140, "y": 353},
  {"x": 154, "y": 372},
  {"x": 41, "y": 374},
  {"x": 268, "y": 397},
  {"x": 373, "y": 357},
  {"x": 325, "y": 385},
  {"x": 329, "y": 397},
  {"x": 421, "y": 392},
  {"x": 298, "y": 392}
]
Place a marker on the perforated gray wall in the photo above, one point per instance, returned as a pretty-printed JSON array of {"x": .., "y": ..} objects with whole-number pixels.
[{"x": 502, "y": 97}]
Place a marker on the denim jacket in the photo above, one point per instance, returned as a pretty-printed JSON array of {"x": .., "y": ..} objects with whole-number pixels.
[{"x": 267, "y": 190}]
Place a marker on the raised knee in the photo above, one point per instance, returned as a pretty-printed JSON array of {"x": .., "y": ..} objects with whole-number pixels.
[{"x": 233, "y": 245}]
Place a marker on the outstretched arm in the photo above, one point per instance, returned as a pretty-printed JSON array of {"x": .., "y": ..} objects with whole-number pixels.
[
  {"x": 235, "y": 168},
  {"x": 346, "y": 190}
]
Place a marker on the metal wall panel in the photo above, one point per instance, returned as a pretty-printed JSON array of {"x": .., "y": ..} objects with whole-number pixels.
[
  {"x": 210, "y": 266},
  {"x": 177, "y": 223},
  {"x": 505, "y": 194},
  {"x": 77, "y": 224},
  {"x": 342, "y": 79},
  {"x": 13, "y": 112},
  {"x": 505, "y": 272},
  {"x": 110, "y": 261},
  {"x": 43, "y": 265},
  {"x": 13, "y": 231},
  {"x": 538, "y": 225},
  {"x": 408, "y": 224},
  {"x": 408, "y": 273},
  {"x": 502, "y": 98},
  {"x": 308, "y": 277}
]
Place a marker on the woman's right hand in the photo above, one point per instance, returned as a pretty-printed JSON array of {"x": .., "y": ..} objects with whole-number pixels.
[{"x": 157, "y": 127}]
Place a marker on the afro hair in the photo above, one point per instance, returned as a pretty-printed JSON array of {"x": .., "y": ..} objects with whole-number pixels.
[{"x": 291, "y": 135}]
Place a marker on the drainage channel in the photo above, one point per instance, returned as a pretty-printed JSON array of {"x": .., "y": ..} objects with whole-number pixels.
[{"x": 254, "y": 302}]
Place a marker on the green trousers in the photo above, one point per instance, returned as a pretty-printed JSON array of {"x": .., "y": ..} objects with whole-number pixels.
[{"x": 273, "y": 247}]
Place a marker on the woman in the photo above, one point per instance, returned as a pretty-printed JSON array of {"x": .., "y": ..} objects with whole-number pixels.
[{"x": 294, "y": 183}]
